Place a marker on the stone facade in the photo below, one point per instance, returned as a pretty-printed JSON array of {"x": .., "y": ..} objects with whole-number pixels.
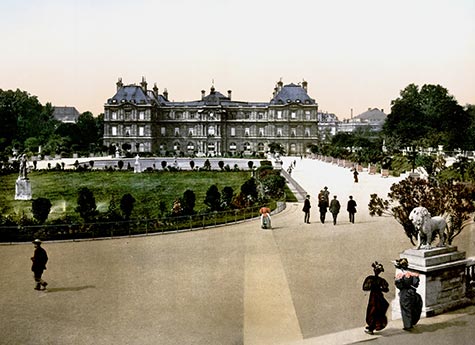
[{"x": 214, "y": 125}]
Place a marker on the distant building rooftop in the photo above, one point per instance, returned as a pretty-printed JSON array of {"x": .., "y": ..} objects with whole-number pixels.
[{"x": 66, "y": 114}]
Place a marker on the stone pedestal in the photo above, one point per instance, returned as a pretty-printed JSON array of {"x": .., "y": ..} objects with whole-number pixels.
[
  {"x": 22, "y": 189},
  {"x": 441, "y": 273}
]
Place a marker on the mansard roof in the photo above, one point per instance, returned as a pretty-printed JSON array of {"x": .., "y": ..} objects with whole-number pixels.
[
  {"x": 66, "y": 114},
  {"x": 292, "y": 93},
  {"x": 131, "y": 94},
  {"x": 371, "y": 115}
]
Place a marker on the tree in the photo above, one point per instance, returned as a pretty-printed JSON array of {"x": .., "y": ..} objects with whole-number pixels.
[
  {"x": 120, "y": 164},
  {"x": 164, "y": 164},
  {"x": 273, "y": 185},
  {"x": 221, "y": 165},
  {"x": 192, "y": 165},
  {"x": 250, "y": 165},
  {"x": 41, "y": 208},
  {"x": 249, "y": 191},
  {"x": 188, "y": 202},
  {"x": 207, "y": 165},
  {"x": 454, "y": 202},
  {"x": 427, "y": 117},
  {"x": 86, "y": 208},
  {"x": 213, "y": 198},
  {"x": 226, "y": 197},
  {"x": 127, "y": 205},
  {"x": 22, "y": 116},
  {"x": 276, "y": 148}
]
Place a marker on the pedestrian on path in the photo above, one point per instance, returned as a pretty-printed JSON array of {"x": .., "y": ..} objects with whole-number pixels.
[
  {"x": 376, "y": 319},
  {"x": 351, "y": 208},
  {"x": 40, "y": 258},
  {"x": 322, "y": 206},
  {"x": 355, "y": 175},
  {"x": 306, "y": 210},
  {"x": 326, "y": 194},
  {"x": 265, "y": 218},
  {"x": 409, "y": 300},
  {"x": 334, "y": 208}
]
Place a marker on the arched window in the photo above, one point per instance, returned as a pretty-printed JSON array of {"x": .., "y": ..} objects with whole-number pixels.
[
  {"x": 247, "y": 146},
  {"x": 232, "y": 146},
  {"x": 260, "y": 147},
  {"x": 176, "y": 146}
]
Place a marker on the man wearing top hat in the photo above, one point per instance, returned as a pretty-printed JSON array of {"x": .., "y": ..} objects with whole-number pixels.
[{"x": 40, "y": 258}]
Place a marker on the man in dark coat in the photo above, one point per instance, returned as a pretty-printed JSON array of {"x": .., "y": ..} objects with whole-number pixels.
[
  {"x": 306, "y": 210},
  {"x": 322, "y": 205},
  {"x": 40, "y": 258},
  {"x": 351, "y": 208},
  {"x": 334, "y": 208}
]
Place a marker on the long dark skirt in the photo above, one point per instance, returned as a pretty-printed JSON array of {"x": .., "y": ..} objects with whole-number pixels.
[
  {"x": 376, "y": 311},
  {"x": 411, "y": 307}
]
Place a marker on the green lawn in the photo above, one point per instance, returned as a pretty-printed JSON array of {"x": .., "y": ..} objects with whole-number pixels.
[{"x": 147, "y": 188}]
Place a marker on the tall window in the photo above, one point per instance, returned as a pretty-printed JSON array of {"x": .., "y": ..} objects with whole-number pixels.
[
  {"x": 307, "y": 132},
  {"x": 233, "y": 131},
  {"x": 246, "y": 132},
  {"x": 279, "y": 114},
  {"x": 279, "y": 132},
  {"x": 141, "y": 131},
  {"x": 261, "y": 132},
  {"x": 177, "y": 131},
  {"x": 114, "y": 130},
  {"x": 307, "y": 115},
  {"x": 142, "y": 115},
  {"x": 293, "y": 115},
  {"x": 163, "y": 131},
  {"x": 114, "y": 115}
]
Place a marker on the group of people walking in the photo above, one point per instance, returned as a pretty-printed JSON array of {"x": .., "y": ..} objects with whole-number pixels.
[{"x": 325, "y": 205}]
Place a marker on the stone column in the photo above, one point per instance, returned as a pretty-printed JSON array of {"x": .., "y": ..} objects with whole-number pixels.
[{"x": 442, "y": 286}]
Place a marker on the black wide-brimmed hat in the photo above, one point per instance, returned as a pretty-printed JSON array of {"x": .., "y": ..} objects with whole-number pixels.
[{"x": 402, "y": 263}]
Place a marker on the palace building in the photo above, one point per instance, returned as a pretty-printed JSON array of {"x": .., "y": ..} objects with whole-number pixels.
[{"x": 214, "y": 125}]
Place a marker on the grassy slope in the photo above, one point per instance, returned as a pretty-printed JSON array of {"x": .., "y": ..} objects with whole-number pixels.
[{"x": 147, "y": 188}]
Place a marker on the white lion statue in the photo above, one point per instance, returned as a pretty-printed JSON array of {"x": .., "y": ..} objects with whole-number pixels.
[{"x": 426, "y": 225}]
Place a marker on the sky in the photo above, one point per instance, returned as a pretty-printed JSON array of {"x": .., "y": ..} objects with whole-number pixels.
[{"x": 354, "y": 54}]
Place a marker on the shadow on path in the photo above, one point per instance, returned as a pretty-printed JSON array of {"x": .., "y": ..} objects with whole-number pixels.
[{"x": 74, "y": 288}]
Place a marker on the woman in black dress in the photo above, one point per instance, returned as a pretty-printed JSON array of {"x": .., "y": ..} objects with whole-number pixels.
[
  {"x": 409, "y": 300},
  {"x": 376, "y": 318}
]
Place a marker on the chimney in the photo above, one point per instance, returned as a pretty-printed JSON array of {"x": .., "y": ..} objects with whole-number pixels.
[
  {"x": 155, "y": 90},
  {"x": 304, "y": 85},
  {"x": 119, "y": 84},
  {"x": 165, "y": 93},
  {"x": 203, "y": 93},
  {"x": 229, "y": 94},
  {"x": 144, "y": 84},
  {"x": 280, "y": 84}
]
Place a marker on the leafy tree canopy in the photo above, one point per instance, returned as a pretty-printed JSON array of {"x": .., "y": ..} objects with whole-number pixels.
[{"x": 428, "y": 116}]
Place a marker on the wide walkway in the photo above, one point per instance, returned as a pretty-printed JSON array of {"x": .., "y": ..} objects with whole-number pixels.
[{"x": 297, "y": 284}]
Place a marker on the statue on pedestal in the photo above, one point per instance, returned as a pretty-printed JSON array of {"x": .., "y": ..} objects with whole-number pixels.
[
  {"x": 23, "y": 168},
  {"x": 22, "y": 185},
  {"x": 426, "y": 226},
  {"x": 137, "y": 168}
]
